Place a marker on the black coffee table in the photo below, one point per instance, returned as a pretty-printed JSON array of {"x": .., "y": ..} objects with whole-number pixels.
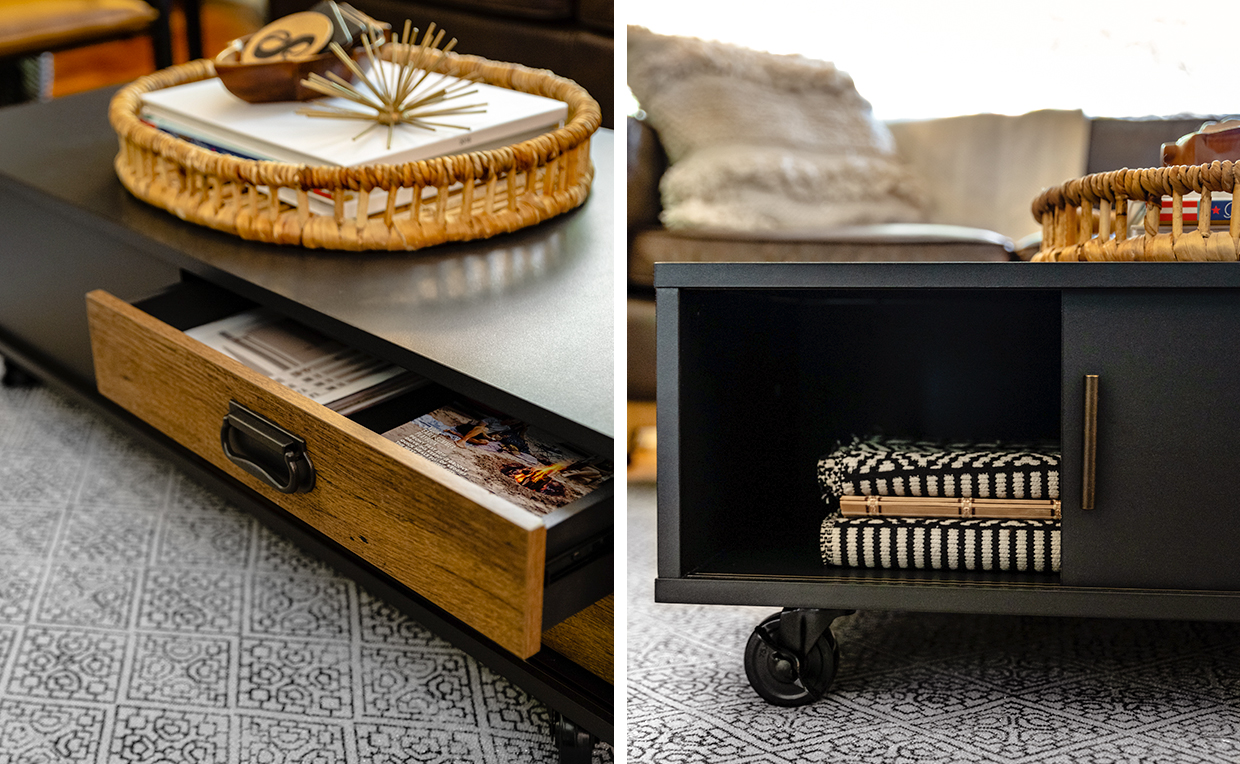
[{"x": 522, "y": 322}]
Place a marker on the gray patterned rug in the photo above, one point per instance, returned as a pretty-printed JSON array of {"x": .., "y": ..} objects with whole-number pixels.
[
  {"x": 929, "y": 688},
  {"x": 142, "y": 619}
]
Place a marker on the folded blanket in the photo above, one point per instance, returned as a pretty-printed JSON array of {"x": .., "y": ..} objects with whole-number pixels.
[
  {"x": 892, "y": 467},
  {"x": 941, "y": 543}
]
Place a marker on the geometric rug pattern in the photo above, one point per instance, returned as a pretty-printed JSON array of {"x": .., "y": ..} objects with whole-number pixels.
[
  {"x": 143, "y": 619},
  {"x": 925, "y": 687}
]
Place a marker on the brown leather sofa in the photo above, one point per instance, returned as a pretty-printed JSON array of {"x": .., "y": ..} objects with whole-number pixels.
[
  {"x": 1113, "y": 144},
  {"x": 573, "y": 38}
]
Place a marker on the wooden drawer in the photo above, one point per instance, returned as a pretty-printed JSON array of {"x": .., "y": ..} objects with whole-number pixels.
[{"x": 501, "y": 570}]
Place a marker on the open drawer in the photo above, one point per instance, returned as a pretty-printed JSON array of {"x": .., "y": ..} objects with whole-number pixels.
[{"x": 502, "y": 570}]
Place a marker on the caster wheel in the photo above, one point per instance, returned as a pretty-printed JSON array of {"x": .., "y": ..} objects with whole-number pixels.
[
  {"x": 783, "y": 679},
  {"x": 16, "y": 376},
  {"x": 576, "y": 746}
]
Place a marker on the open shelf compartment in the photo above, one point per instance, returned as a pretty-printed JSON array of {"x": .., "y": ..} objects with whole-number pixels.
[{"x": 769, "y": 380}]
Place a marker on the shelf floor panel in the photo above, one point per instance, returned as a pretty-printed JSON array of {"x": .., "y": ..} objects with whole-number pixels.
[
  {"x": 802, "y": 563},
  {"x": 774, "y": 578}
]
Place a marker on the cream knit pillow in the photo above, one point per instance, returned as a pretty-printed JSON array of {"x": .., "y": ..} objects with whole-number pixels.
[{"x": 761, "y": 141}]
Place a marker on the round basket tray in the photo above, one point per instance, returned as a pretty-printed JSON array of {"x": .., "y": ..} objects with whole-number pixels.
[
  {"x": 455, "y": 198},
  {"x": 1087, "y": 218}
]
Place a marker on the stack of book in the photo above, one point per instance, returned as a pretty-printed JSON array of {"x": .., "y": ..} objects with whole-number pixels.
[
  {"x": 205, "y": 114},
  {"x": 954, "y": 506},
  {"x": 1220, "y": 211}
]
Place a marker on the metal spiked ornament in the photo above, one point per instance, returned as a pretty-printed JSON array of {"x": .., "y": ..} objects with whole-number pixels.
[{"x": 400, "y": 97}]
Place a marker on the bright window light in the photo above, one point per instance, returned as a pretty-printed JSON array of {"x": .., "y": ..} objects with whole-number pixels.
[{"x": 919, "y": 60}]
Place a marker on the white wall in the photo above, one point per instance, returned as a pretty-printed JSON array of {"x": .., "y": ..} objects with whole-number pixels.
[{"x": 916, "y": 60}]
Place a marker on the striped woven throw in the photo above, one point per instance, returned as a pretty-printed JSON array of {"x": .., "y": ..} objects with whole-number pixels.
[
  {"x": 897, "y": 467},
  {"x": 941, "y": 543}
]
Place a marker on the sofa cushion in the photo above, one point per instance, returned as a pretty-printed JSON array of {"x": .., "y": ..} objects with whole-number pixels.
[
  {"x": 892, "y": 242},
  {"x": 761, "y": 141},
  {"x": 984, "y": 170}
]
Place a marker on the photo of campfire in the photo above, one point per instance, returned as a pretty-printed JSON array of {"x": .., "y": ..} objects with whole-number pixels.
[{"x": 506, "y": 456}]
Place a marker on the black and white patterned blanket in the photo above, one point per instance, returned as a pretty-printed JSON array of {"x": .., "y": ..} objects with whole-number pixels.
[
  {"x": 941, "y": 543},
  {"x": 892, "y": 467}
]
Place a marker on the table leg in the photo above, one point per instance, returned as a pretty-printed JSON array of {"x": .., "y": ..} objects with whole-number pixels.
[
  {"x": 193, "y": 27},
  {"x": 161, "y": 34}
]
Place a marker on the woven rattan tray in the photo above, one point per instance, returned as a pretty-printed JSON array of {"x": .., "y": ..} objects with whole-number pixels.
[
  {"x": 1087, "y": 218},
  {"x": 470, "y": 196}
]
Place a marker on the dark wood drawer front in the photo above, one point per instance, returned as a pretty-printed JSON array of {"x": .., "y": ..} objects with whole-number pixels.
[{"x": 477, "y": 556}]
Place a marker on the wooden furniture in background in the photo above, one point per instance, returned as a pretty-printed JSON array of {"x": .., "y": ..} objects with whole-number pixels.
[
  {"x": 112, "y": 63},
  {"x": 47, "y": 25},
  {"x": 587, "y": 638},
  {"x": 29, "y": 29},
  {"x": 642, "y": 441}
]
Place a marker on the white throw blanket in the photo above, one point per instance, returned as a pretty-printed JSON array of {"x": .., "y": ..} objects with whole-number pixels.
[{"x": 984, "y": 170}]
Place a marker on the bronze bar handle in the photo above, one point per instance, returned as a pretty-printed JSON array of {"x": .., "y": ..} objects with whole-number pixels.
[{"x": 1089, "y": 466}]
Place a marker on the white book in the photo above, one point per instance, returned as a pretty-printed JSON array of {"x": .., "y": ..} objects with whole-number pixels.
[
  {"x": 321, "y": 202},
  {"x": 207, "y": 112}
]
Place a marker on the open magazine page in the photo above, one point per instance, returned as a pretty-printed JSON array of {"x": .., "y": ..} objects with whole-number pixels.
[
  {"x": 506, "y": 456},
  {"x": 323, "y": 370}
]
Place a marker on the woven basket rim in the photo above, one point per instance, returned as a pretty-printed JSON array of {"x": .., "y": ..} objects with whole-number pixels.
[
  {"x": 585, "y": 117},
  {"x": 1142, "y": 184},
  {"x": 1087, "y": 219}
]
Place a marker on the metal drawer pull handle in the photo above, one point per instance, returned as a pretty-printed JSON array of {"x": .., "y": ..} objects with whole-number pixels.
[
  {"x": 1089, "y": 467},
  {"x": 265, "y": 450}
]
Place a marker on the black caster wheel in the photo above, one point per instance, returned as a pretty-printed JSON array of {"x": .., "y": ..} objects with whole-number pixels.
[
  {"x": 575, "y": 744},
  {"x": 783, "y": 675},
  {"x": 16, "y": 376}
]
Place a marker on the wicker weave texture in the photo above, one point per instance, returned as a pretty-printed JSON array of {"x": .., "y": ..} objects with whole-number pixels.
[
  {"x": 456, "y": 198},
  {"x": 1087, "y": 218}
]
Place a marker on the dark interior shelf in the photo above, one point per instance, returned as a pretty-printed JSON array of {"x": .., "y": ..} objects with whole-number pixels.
[{"x": 773, "y": 379}]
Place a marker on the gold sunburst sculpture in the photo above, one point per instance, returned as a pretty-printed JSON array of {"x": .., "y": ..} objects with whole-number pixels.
[{"x": 399, "y": 97}]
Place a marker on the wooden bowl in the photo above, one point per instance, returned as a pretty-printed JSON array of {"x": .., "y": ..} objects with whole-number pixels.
[
  {"x": 275, "y": 80},
  {"x": 1215, "y": 141}
]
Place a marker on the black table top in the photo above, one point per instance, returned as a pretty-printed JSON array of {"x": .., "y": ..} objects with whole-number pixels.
[
  {"x": 523, "y": 320},
  {"x": 923, "y": 275}
]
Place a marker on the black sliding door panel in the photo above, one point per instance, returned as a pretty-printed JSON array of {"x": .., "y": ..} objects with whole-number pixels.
[{"x": 1167, "y": 511}]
